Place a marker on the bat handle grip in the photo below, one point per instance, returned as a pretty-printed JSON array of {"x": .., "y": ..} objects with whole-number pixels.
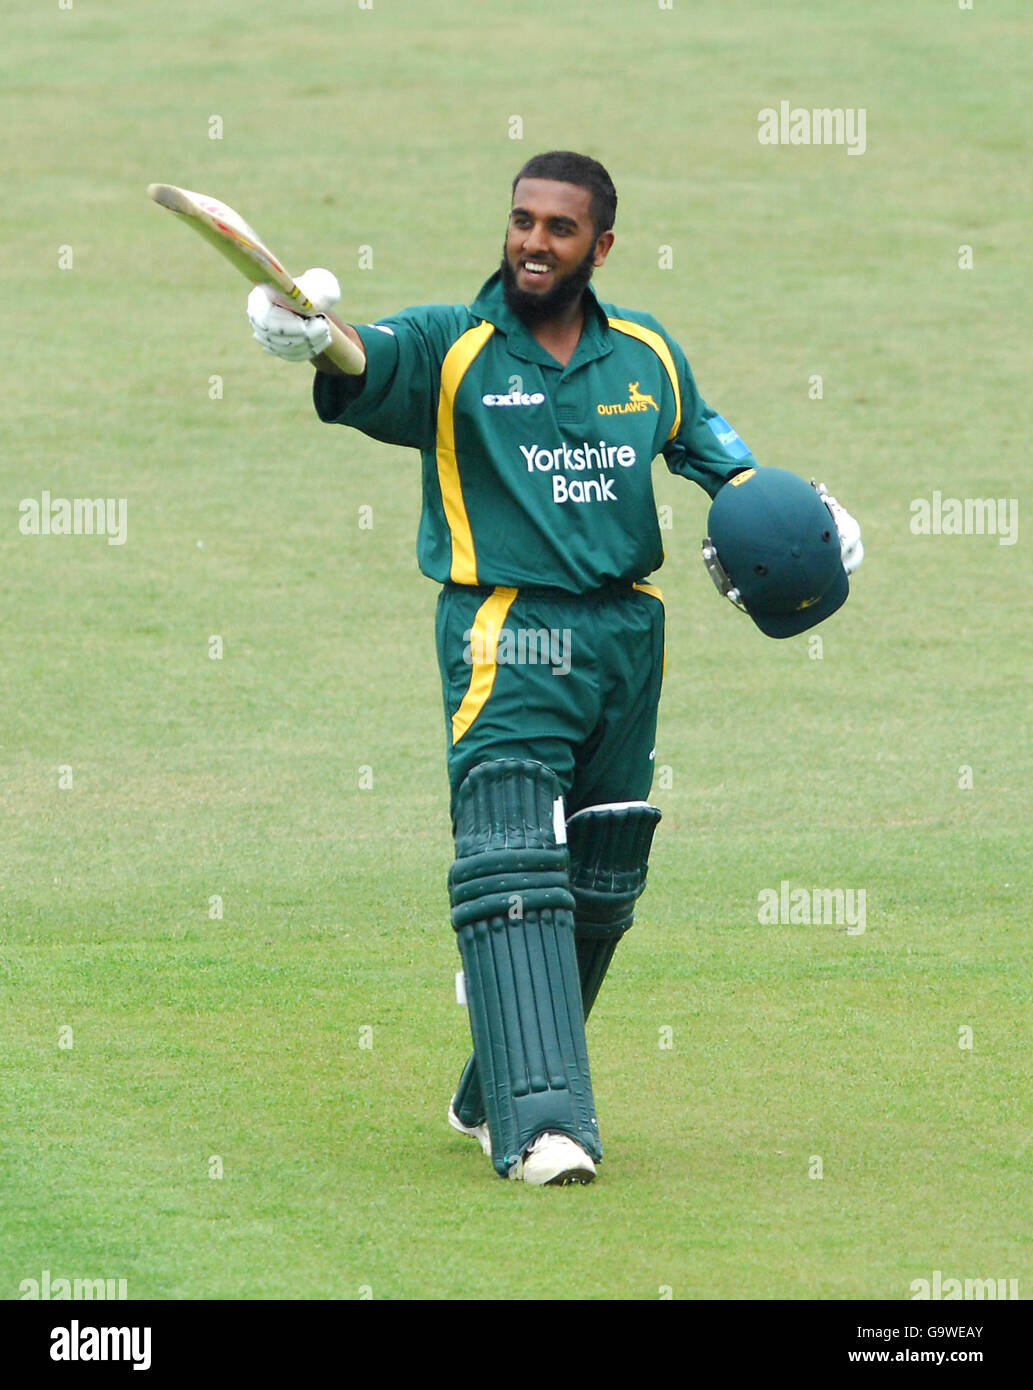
[{"x": 343, "y": 352}]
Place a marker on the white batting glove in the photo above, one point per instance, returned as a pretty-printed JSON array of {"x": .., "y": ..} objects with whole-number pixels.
[
  {"x": 289, "y": 335},
  {"x": 849, "y": 529},
  {"x": 321, "y": 286},
  {"x": 283, "y": 333}
]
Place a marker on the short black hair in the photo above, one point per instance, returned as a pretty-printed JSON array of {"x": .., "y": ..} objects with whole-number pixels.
[{"x": 564, "y": 166}]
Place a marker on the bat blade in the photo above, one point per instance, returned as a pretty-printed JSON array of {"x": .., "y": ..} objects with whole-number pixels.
[
  {"x": 227, "y": 231},
  {"x": 241, "y": 245}
]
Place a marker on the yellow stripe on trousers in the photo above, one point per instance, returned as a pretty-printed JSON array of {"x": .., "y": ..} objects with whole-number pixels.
[
  {"x": 654, "y": 592},
  {"x": 653, "y": 340},
  {"x": 455, "y": 366},
  {"x": 484, "y": 637}
]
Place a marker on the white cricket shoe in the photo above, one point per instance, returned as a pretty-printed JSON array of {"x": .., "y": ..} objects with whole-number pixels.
[
  {"x": 553, "y": 1160},
  {"x": 478, "y": 1132}
]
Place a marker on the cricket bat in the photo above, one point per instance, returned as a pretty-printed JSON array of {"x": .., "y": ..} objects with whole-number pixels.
[{"x": 244, "y": 249}]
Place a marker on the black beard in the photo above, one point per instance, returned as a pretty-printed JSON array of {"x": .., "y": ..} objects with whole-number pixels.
[{"x": 540, "y": 308}]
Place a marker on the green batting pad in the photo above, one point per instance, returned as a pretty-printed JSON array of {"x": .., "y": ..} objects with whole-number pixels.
[
  {"x": 609, "y": 853},
  {"x": 513, "y": 914}
]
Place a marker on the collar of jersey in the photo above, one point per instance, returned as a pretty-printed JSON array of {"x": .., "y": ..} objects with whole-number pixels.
[{"x": 491, "y": 304}]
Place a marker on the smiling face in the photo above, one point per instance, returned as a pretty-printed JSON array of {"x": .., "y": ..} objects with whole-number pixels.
[{"x": 551, "y": 248}]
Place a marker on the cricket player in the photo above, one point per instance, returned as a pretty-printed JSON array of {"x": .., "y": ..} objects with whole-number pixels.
[{"x": 538, "y": 411}]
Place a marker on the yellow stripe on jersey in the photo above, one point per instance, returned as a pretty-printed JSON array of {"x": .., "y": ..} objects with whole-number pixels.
[
  {"x": 484, "y": 638},
  {"x": 455, "y": 366},
  {"x": 653, "y": 340}
]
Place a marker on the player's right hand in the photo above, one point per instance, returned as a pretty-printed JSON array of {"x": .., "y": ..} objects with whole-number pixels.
[{"x": 289, "y": 335}]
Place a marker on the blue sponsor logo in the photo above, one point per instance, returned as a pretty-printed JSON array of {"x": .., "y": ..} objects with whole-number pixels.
[{"x": 727, "y": 438}]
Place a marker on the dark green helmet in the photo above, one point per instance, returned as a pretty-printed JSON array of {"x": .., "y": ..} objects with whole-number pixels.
[{"x": 772, "y": 547}]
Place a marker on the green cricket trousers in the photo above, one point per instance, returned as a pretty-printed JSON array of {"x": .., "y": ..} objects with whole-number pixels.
[{"x": 568, "y": 680}]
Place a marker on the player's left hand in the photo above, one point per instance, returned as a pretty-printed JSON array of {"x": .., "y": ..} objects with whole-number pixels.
[{"x": 849, "y": 529}]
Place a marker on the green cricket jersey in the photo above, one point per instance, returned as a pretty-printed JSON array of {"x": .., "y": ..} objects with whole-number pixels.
[{"x": 534, "y": 473}]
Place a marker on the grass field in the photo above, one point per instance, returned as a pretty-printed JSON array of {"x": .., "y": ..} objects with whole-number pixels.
[{"x": 252, "y": 1105}]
